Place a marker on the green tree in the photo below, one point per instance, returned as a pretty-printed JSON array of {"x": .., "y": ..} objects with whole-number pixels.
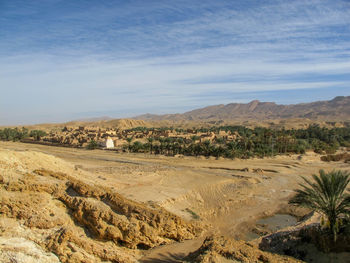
[
  {"x": 129, "y": 140},
  {"x": 137, "y": 146},
  {"x": 231, "y": 149},
  {"x": 37, "y": 134},
  {"x": 206, "y": 147},
  {"x": 327, "y": 196},
  {"x": 150, "y": 141},
  {"x": 220, "y": 140},
  {"x": 180, "y": 145},
  {"x": 162, "y": 145},
  {"x": 168, "y": 144},
  {"x": 92, "y": 145},
  {"x": 195, "y": 138},
  {"x": 9, "y": 134}
]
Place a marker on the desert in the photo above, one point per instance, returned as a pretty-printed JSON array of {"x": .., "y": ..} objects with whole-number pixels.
[
  {"x": 78, "y": 205},
  {"x": 180, "y": 131}
]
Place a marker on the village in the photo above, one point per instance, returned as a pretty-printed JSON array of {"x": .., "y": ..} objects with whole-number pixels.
[
  {"x": 110, "y": 138},
  {"x": 216, "y": 141}
]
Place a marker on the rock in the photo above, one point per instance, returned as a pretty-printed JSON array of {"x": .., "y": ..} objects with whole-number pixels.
[
  {"x": 15, "y": 249},
  {"x": 216, "y": 247},
  {"x": 82, "y": 222},
  {"x": 263, "y": 258}
]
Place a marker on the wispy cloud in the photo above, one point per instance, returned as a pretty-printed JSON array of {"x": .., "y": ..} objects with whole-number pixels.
[{"x": 58, "y": 59}]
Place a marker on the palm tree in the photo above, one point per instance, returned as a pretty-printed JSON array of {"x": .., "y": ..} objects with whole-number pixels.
[
  {"x": 168, "y": 145},
  {"x": 137, "y": 146},
  {"x": 194, "y": 138},
  {"x": 231, "y": 149},
  {"x": 150, "y": 140},
  {"x": 129, "y": 140},
  {"x": 206, "y": 145},
  {"x": 327, "y": 196},
  {"x": 161, "y": 147}
]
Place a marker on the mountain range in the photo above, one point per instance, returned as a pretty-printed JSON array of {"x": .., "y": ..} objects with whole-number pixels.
[{"x": 337, "y": 109}]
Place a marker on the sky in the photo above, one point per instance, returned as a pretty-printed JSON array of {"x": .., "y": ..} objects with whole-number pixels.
[{"x": 62, "y": 60}]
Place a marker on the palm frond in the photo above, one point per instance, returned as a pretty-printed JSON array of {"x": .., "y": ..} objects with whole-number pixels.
[{"x": 325, "y": 194}]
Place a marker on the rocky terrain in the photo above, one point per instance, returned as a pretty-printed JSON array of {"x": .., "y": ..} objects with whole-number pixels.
[
  {"x": 73, "y": 205},
  {"x": 220, "y": 249},
  {"x": 337, "y": 109},
  {"x": 55, "y": 216}
]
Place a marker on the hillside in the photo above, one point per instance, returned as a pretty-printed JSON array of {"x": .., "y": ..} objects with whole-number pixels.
[
  {"x": 337, "y": 109},
  {"x": 121, "y": 124},
  {"x": 332, "y": 113}
]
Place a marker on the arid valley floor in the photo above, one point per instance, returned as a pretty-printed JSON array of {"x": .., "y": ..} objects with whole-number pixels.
[
  {"x": 174, "y": 131},
  {"x": 226, "y": 197}
]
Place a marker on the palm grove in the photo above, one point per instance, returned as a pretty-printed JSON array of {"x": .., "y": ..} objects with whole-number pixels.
[{"x": 257, "y": 142}]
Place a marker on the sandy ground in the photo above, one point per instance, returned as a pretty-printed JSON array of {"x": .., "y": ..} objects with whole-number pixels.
[{"x": 227, "y": 195}]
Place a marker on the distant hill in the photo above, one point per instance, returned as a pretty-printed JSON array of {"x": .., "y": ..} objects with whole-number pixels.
[
  {"x": 332, "y": 113},
  {"x": 337, "y": 109},
  {"x": 121, "y": 124},
  {"x": 102, "y": 118},
  {"x": 111, "y": 123}
]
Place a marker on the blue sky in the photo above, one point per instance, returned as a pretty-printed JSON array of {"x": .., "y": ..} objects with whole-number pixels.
[{"x": 62, "y": 60}]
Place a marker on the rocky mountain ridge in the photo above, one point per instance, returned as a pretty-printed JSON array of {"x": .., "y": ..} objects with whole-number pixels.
[{"x": 337, "y": 109}]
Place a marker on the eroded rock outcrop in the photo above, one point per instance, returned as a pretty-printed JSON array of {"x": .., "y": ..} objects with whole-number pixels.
[
  {"x": 79, "y": 221},
  {"x": 221, "y": 249}
]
